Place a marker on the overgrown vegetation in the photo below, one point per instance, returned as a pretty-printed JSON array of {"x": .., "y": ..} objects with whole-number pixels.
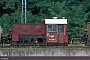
[{"x": 76, "y": 11}]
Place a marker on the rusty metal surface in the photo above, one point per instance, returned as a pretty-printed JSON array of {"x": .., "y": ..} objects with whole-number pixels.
[
  {"x": 88, "y": 31},
  {"x": 33, "y": 29},
  {"x": 28, "y": 29},
  {"x": 46, "y": 58}
]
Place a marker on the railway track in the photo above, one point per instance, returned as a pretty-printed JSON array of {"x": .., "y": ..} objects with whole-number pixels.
[{"x": 46, "y": 58}]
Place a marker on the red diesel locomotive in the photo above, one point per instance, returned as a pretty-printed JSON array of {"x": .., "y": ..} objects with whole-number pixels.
[
  {"x": 50, "y": 31},
  {"x": 87, "y": 33}
]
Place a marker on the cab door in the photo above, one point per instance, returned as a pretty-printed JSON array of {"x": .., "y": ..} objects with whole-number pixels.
[
  {"x": 51, "y": 34},
  {"x": 61, "y": 33}
]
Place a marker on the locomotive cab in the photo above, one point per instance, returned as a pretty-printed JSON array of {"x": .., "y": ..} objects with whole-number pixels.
[{"x": 56, "y": 31}]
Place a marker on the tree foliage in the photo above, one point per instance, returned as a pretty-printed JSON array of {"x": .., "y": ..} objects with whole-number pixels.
[{"x": 76, "y": 11}]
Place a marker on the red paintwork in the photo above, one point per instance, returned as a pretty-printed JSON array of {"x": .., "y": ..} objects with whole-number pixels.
[
  {"x": 51, "y": 37},
  {"x": 58, "y": 37},
  {"x": 88, "y": 31},
  {"x": 43, "y": 20},
  {"x": 34, "y": 29}
]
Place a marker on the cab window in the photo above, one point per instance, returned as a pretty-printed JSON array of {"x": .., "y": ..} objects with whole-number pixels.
[
  {"x": 51, "y": 28},
  {"x": 60, "y": 28}
]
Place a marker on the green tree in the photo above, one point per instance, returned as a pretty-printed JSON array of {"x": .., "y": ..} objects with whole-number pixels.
[{"x": 76, "y": 11}]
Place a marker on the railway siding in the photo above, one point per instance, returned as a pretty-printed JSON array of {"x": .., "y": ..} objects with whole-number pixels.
[{"x": 45, "y": 51}]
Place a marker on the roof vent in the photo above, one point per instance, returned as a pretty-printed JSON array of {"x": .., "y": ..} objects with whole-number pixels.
[
  {"x": 63, "y": 17},
  {"x": 54, "y": 17}
]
